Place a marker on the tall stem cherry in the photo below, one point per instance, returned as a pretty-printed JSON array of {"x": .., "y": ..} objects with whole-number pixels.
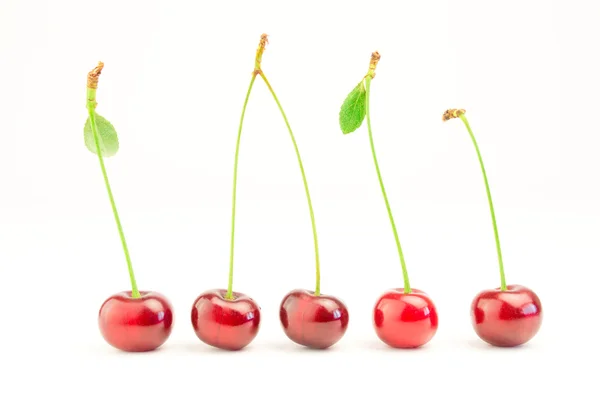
[
  {"x": 224, "y": 318},
  {"x": 129, "y": 320},
  {"x": 407, "y": 317},
  {"x": 510, "y": 315},
  {"x": 307, "y": 317}
]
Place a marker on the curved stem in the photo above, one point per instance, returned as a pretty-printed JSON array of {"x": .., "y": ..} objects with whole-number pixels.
[
  {"x": 489, "y": 196},
  {"x": 92, "y": 115},
  {"x": 387, "y": 204},
  {"x": 310, "y": 208},
  {"x": 229, "y": 294}
]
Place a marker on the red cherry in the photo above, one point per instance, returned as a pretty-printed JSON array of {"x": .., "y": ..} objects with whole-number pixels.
[
  {"x": 506, "y": 318},
  {"x": 405, "y": 320},
  {"x": 136, "y": 324},
  {"x": 313, "y": 321},
  {"x": 223, "y": 323}
]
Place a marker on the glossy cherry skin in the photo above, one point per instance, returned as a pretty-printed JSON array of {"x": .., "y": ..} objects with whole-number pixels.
[
  {"x": 405, "y": 320},
  {"x": 313, "y": 321},
  {"x": 506, "y": 318},
  {"x": 226, "y": 324},
  {"x": 136, "y": 324}
]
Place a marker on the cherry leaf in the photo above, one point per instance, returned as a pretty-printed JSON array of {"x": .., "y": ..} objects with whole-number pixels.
[
  {"x": 354, "y": 109},
  {"x": 107, "y": 135}
]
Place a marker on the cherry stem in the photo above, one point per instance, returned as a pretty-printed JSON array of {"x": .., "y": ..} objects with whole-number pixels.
[
  {"x": 368, "y": 78},
  {"x": 229, "y": 294},
  {"x": 258, "y": 71},
  {"x": 92, "y": 85},
  {"x": 310, "y": 207},
  {"x": 462, "y": 117}
]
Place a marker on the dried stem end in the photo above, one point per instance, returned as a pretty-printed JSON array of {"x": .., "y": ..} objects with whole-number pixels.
[
  {"x": 259, "y": 52},
  {"x": 93, "y": 75},
  {"x": 375, "y": 57},
  {"x": 452, "y": 114}
]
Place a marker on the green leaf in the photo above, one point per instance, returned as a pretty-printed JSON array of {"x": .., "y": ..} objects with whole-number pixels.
[
  {"x": 354, "y": 109},
  {"x": 107, "y": 135}
]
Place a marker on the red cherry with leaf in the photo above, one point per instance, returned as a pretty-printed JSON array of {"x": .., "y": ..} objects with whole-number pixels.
[
  {"x": 510, "y": 315},
  {"x": 131, "y": 321},
  {"x": 404, "y": 317}
]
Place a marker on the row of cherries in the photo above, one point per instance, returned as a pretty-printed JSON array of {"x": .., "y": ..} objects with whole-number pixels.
[
  {"x": 401, "y": 320},
  {"x": 405, "y": 317}
]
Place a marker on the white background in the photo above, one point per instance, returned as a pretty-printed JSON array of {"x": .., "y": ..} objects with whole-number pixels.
[{"x": 173, "y": 85}]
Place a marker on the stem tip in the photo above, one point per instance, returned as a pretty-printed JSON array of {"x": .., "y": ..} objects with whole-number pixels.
[
  {"x": 452, "y": 114},
  {"x": 93, "y": 75},
  {"x": 375, "y": 57},
  {"x": 264, "y": 39},
  {"x": 259, "y": 52}
]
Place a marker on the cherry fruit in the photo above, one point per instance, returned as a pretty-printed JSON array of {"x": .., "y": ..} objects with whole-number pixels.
[
  {"x": 506, "y": 318},
  {"x": 405, "y": 320},
  {"x": 136, "y": 324},
  {"x": 402, "y": 318},
  {"x": 510, "y": 315},
  {"x": 307, "y": 318},
  {"x": 229, "y": 324},
  {"x": 313, "y": 321},
  {"x": 223, "y": 318},
  {"x": 130, "y": 321}
]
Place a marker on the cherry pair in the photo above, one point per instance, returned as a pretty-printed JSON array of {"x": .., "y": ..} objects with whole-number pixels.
[{"x": 230, "y": 320}]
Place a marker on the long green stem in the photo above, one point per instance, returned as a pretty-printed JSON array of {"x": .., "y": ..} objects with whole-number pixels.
[
  {"x": 229, "y": 294},
  {"x": 387, "y": 204},
  {"x": 310, "y": 207},
  {"x": 489, "y": 196},
  {"x": 91, "y": 104}
]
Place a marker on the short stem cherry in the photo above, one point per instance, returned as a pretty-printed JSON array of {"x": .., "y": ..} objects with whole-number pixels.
[
  {"x": 368, "y": 78},
  {"x": 310, "y": 207},
  {"x": 92, "y": 85},
  {"x": 453, "y": 113},
  {"x": 229, "y": 294}
]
